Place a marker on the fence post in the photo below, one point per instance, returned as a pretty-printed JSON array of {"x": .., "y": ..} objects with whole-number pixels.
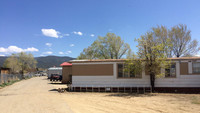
[
  {"x": 4, "y": 79},
  {"x": 0, "y": 79}
]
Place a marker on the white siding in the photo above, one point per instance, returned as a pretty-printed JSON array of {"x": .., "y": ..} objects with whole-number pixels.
[
  {"x": 190, "y": 67},
  {"x": 180, "y": 80},
  {"x": 113, "y": 81}
]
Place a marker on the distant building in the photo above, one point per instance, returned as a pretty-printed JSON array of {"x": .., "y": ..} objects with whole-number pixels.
[
  {"x": 54, "y": 70},
  {"x": 5, "y": 70},
  {"x": 66, "y": 72}
]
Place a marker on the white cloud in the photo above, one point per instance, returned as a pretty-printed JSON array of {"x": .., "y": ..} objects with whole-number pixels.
[
  {"x": 48, "y": 53},
  {"x": 56, "y": 34},
  {"x": 65, "y": 34},
  {"x": 3, "y": 49},
  {"x": 32, "y": 49},
  {"x": 50, "y": 33},
  {"x": 11, "y": 49},
  {"x": 2, "y": 55},
  {"x": 68, "y": 52},
  {"x": 48, "y": 44},
  {"x": 61, "y": 53},
  {"x": 78, "y": 33},
  {"x": 92, "y": 35},
  {"x": 15, "y": 49},
  {"x": 71, "y": 45}
]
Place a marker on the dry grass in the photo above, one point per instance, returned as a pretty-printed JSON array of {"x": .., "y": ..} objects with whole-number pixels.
[{"x": 195, "y": 100}]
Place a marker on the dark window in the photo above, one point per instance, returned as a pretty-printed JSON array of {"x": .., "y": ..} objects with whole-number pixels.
[
  {"x": 132, "y": 73},
  {"x": 120, "y": 70},
  {"x": 196, "y": 67},
  {"x": 171, "y": 71}
]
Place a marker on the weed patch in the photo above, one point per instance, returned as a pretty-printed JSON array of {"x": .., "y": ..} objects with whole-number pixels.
[
  {"x": 9, "y": 83},
  {"x": 195, "y": 100}
]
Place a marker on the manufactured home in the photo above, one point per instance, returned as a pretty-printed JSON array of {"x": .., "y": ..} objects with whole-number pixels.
[{"x": 184, "y": 75}]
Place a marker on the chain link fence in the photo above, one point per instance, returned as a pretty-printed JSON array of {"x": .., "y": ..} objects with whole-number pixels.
[{"x": 5, "y": 78}]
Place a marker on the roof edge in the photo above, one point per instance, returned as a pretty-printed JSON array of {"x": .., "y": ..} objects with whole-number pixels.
[{"x": 122, "y": 60}]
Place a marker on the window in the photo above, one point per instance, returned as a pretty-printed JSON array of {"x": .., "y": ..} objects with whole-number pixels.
[
  {"x": 196, "y": 67},
  {"x": 120, "y": 70},
  {"x": 171, "y": 71},
  {"x": 126, "y": 74}
]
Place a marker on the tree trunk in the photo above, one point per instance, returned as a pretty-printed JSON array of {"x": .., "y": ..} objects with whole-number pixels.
[{"x": 152, "y": 81}]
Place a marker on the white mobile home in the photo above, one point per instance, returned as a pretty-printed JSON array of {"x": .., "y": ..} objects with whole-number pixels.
[{"x": 184, "y": 75}]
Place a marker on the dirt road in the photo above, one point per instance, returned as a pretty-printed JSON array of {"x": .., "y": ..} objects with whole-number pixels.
[{"x": 35, "y": 95}]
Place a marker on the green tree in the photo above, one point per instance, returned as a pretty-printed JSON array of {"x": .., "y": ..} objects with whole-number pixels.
[
  {"x": 12, "y": 63},
  {"x": 152, "y": 54},
  {"x": 182, "y": 43},
  {"x": 161, "y": 33},
  {"x": 26, "y": 62},
  {"x": 88, "y": 53},
  {"x": 20, "y": 62},
  {"x": 108, "y": 47},
  {"x": 130, "y": 54}
]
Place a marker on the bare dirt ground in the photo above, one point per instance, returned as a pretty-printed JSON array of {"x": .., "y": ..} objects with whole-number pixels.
[
  {"x": 132, "y": 103},
  {"x": 37, "y": 95}
]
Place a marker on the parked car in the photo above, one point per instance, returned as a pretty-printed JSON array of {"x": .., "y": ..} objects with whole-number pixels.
[
  {"x": 55, "y": 77},
  {"x": 37, "y": 74}
]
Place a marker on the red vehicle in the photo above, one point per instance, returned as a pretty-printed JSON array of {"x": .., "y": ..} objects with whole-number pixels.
[{"x": 55, "y": 77}]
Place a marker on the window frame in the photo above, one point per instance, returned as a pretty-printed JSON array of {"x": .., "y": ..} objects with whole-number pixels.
[
  {"x": 193, "y": 68},
  {"x": 170, "y": 76},
  {"x": 129, "y": 75}
]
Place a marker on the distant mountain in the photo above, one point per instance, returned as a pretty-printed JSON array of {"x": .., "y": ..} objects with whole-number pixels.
[
  {"x": 50, "y": 61},
  {"x": 46, "y": 61}
]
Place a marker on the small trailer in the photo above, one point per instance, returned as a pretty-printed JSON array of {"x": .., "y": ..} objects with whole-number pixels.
[{"x": 54, "y": 70}]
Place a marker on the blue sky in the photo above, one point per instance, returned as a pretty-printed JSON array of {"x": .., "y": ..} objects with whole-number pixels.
[{"x": 66, "y": 27}]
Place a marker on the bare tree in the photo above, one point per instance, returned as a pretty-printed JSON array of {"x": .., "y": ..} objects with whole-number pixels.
[{"x": 182, "y": 43}]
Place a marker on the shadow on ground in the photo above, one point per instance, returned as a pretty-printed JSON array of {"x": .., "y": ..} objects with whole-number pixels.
[
  {"x": 53, "y": 90},
  {"x": 129, "y": 95},
  {"x": 56, "y": 83}
]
